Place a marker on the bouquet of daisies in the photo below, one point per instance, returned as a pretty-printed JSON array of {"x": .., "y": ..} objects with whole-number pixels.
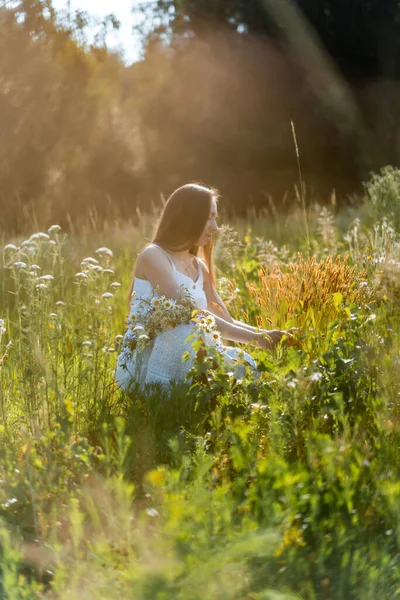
[{"x": 159, "y": 313}]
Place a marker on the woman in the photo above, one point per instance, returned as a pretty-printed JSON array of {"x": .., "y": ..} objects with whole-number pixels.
[{"x": 172, "y": 263}]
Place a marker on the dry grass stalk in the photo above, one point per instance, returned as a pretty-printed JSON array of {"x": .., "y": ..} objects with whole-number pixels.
[{"x": 307, "y": 287}]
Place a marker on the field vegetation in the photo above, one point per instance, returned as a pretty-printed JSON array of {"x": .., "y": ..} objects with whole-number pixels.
[{"x": 286, "y": 486}]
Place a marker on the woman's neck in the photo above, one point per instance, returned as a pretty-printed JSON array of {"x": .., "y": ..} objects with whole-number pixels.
[{"x": 180, "y": 254}]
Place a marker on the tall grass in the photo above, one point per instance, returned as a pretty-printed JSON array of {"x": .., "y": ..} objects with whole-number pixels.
[{"x": 278, "y": 487}]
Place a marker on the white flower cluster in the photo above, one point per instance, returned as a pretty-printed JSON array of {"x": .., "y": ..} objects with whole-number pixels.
[
  {"x": 207, "y": 326},
  {"x": 2, "y": 326},
  {"x": 161, "y": 313}
]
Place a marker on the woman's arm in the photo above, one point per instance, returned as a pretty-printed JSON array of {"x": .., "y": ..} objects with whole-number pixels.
[
  {"x": 216, "y": 306},
  {"x": 153, "y": 265}
]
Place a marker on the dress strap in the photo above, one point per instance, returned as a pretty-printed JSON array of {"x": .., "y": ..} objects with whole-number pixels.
[{"x": 167, "y": 255}]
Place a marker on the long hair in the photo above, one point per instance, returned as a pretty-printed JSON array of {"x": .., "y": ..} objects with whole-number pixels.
[{"x": 183, "y": 220}]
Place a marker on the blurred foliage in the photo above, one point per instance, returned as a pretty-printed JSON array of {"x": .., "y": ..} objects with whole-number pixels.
[
  {"x": 61, "y": 152},
  {"x": 86, "y": 137}
]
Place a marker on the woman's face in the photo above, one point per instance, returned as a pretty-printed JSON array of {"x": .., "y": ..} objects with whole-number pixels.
[{"x": 211, "y": 225}]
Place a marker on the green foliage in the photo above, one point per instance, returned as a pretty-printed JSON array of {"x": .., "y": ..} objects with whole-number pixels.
[
  {"x": 280, "y": 486},
  {"x": 384, "y": 192}
]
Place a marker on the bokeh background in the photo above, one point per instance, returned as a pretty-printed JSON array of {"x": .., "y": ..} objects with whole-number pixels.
[{"x": 93, "y": 125}]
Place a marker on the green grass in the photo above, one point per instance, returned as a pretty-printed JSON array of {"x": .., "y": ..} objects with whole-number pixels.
[{"x": 276, "y": 488}]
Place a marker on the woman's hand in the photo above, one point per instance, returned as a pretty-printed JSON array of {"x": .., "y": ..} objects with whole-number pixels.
[{"x": 267, "y": 340}]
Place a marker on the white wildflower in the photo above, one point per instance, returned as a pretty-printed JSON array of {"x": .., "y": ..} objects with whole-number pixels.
[
  {"x": 107, "y": 295},
  {"x": 89, "y": 260},
  {"x": 53, "y": 315},
  {"x": 81, "y": 275},
  {"x": 52, "y": 243},
  {"x": 316, "y": 376},
  {"x": 168, "y": 304},
  {"x": 104, "y": 250},
  {"x": 10, "y": 247},
  {"x": 54, "y": 229},
  {"x": 60, "y": 303},
  {"x": 87, "y": 343},
  {"x": 115, "y": 284},
  {"x": 40, "y": 236},
  {"x": 46, "y": 277},
  {"x": 20, "y": 265},
  {"x": 110, "y": 271},
  {"x": 9, "y": 502},
  {"x": 2, "y": 326},
  {"x": 41, "y": 286},
  {"x": 35, "y": 268}
]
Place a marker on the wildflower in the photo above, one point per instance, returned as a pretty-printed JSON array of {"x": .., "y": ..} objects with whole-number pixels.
[
  {"x": 168, "y": 305},
  {"x": 40, "y": 236},
  {"x": 82, "y": 276},
  {"x": 105, "y": 251},
  {"x": 115, "y": 284},
  {"x": 60, "y": 303},
  {"x": 52, "y": 243},
  {"x": 89, "y": 260},
  {"x": 41, "y": 286},
  {"x": 316, "y": 376},
  {"x": 10, "y": 247},
  {"x": 87, "y": 343},
  {"x": 54, "y": 229},
  {"x": 53, "y": 315},
  {"x": 110, "y": 271},
  {"x": 35, "y": 268},
  {"x": 2, "y": 326},
  {"x": 46, "y": 278},
  {"x": 96, "y": 268},
  {"x": 107, "y": 295},
  {"x": 20, "y": 265}
]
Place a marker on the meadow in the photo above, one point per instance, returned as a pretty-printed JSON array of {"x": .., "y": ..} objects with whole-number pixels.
[{"x": 281, "y": 487}]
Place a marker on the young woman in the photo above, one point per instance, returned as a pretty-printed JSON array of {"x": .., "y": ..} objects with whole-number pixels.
[{"x": 181, "y": 257}]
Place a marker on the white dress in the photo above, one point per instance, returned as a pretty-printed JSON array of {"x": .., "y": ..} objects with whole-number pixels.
[{"x": 161, "y": 362}]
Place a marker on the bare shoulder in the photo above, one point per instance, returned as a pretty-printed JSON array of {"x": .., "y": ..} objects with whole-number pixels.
[{"x": 151, "y": 259}]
